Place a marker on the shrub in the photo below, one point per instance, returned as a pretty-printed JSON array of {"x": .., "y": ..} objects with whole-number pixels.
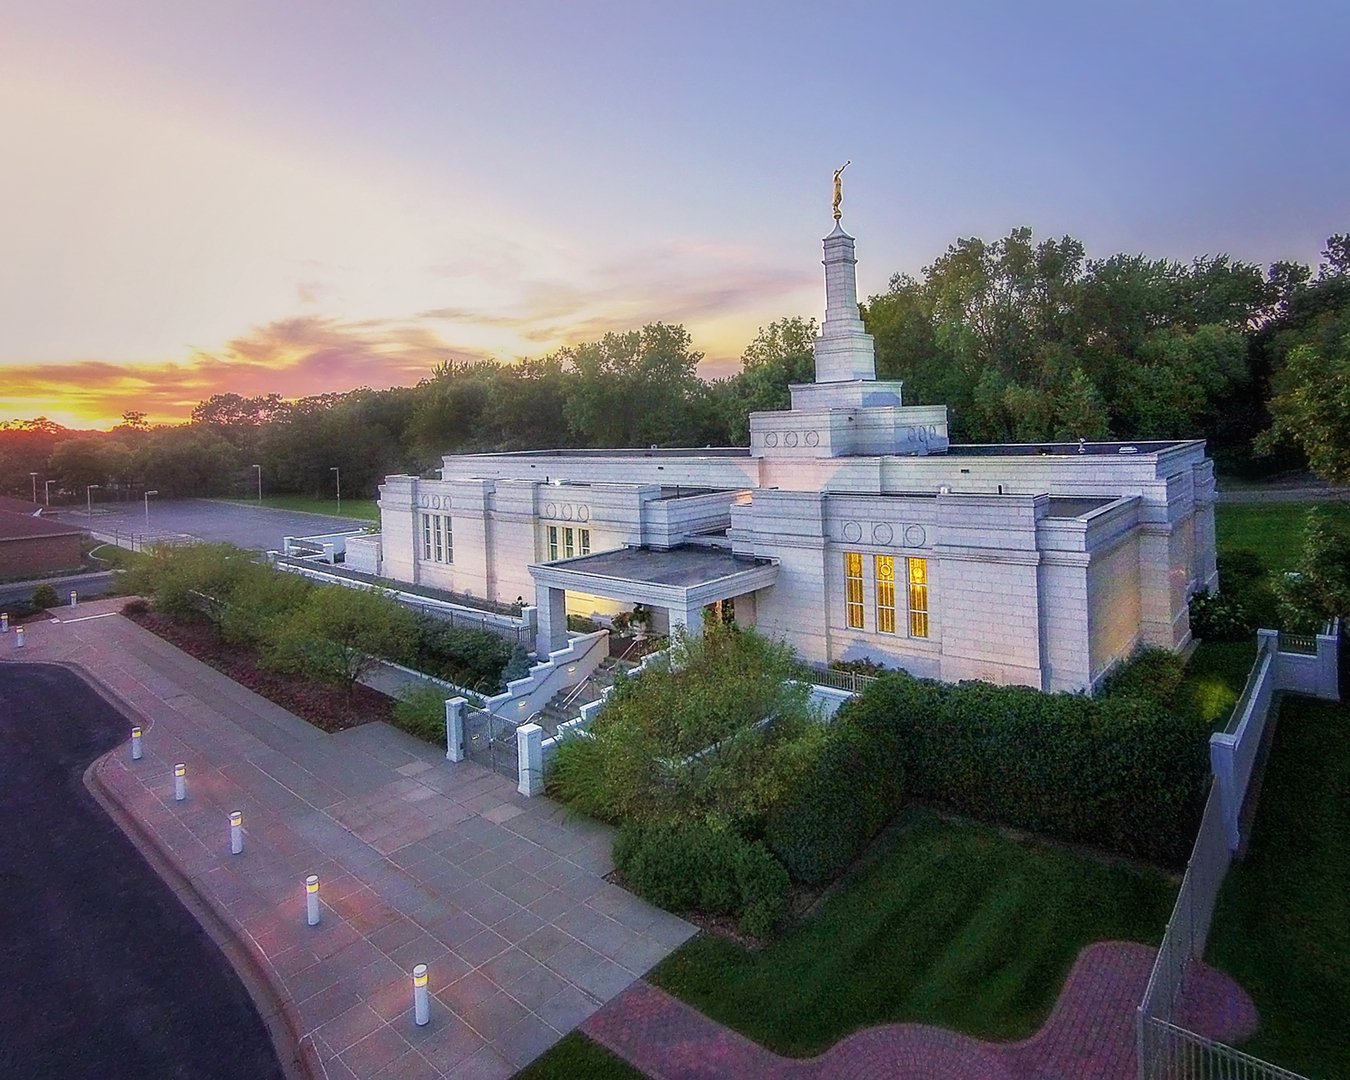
[
  {"x": 579, "y": 624},
  {"x": 261, "y": 600},
  {"x": 137, "y": 606},
  {"x": 763, "y": 886},
  {"x": 421, "y": 712},
  {"x": 860, "y": 667},
  {"x": 852, "y": 788},
  {"x": 338, "y": 633},
  {"x": 1154, "y": 674},
  {"x": 517, "y": 667},
  {"x": 1119, "y": 771},
  {"x": 1237, "y": 611},
  {"x": 703, "y": 866},
  {"x": 476, "y": 659},
  {"x": 44, "y": 596}
]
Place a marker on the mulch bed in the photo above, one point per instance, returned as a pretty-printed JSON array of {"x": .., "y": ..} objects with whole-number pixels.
[{"x": 329, "y": 708}]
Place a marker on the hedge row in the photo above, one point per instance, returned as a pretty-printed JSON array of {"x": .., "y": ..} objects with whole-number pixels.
[
  {"x": 696, "y": 866},
  {"x": 1117, "y": 772},
  {"x": 853, "y": 788}
]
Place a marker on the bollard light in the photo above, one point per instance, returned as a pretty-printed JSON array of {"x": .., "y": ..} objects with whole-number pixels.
[
  {"x": 236, "y": 832},
  {"x": 179, "y": 782},
  {"x": 136, "y": 750},
  {"x": 421, "y": 1008},
  {"x": 18, "y": 637},
  {"x": 74, "y": 598},
  {"x": 312, "y": 900},
  {"x": 4, "y": 622}
]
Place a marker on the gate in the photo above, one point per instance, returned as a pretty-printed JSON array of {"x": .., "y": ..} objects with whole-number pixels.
[{"x": 490, "y": 741}]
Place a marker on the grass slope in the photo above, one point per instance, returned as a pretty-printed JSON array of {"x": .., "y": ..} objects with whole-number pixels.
[
  {"x": 951, "y": 923},
  {"x": 1282, "y": 927}
]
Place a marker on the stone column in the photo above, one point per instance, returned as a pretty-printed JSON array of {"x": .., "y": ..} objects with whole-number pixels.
[
  {"x": 552, "y": 614},
  {"x": 530, "y": 760},
  {"x": 454, "y": 729}
]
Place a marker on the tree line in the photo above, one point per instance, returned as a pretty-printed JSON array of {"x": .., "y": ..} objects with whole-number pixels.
[{"x": 1026, "y": 341}]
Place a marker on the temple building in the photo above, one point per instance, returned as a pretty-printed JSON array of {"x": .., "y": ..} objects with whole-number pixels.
[{"x": 850, "y": 527}]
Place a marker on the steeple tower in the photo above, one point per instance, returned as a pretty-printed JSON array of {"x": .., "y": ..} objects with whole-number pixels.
[{"x": 844, "y": 351}]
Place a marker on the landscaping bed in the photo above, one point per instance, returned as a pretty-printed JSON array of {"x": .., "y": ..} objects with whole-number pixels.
[{"x": 326, "y": 706}]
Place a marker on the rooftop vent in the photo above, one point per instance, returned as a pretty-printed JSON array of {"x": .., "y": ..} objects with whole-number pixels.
[{"x": 1128, "y": 450}]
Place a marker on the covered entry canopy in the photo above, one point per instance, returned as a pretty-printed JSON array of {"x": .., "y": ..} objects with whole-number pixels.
[{"x": 683, "y": 580}]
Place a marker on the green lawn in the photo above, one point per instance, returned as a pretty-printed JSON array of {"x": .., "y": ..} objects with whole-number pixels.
[
  {"x": 576, "y": 1057},
  {"x": 112, "y": 557},
  {"x": 366, "y": 509},
  {"x": 952, "y": 923},
  {"x": 1215, "y": 676},
  {"x": 1273, "y": 530},
  {"x": 1282, "y": 927}
]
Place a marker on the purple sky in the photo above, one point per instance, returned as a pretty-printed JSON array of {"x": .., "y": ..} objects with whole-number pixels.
[{"x": 309, "y": 196}]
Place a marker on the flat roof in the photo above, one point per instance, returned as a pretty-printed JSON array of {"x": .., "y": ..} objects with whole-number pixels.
[
  {"x": 686, "y": 567},
  {"x": 1072, "y": 506},
  {"x": 1065, "y": 449}
]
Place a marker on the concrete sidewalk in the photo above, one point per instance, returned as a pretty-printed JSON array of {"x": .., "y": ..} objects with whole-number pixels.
[{"x": 420, "y": 861}]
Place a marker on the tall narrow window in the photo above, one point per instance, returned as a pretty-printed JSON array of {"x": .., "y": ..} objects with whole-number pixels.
[
  {"x": 853, "y": 589},
  {"x": 569, "y": 543},
  {"x": 437, "y": 541},
  {"x": 552, "y": 543},
  {"x": 885, "y": 574},
  {"x": 426, "y": 536},
  {"x": 449, "y": 542},
  {"x": 584, "y": 539},
  {"x": 918, "y": 597}
]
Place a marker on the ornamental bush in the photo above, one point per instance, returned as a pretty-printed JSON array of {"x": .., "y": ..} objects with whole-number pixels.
[
  {"x": 1154, "y": 674},
  {"x": 44, "y": 596},
  {"x": 1119, "y": 772},
  {"x": 706, "y": 867},
  {"x": 852, "y": 789}
]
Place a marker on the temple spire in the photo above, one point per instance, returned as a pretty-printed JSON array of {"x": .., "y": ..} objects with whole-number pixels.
[{"x": 844, "y": 351}]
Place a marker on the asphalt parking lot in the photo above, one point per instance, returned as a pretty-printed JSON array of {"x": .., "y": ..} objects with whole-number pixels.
[
  {"x": 103, "y": 974},
  {"x": 257, "y": 527}
]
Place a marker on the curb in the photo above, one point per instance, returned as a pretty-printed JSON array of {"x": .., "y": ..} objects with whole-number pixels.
[{"x": 296, "y": 1053}]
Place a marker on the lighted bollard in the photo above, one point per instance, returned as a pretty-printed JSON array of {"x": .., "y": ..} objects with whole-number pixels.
[
  {"x": 179, "y": 782},
  {"x": 4, "y": 622},
  {"x": 312, "y": 900},
  {"x": 236, "y": 832},
  {"x": 136, "y": 750},
  {"x": 74, "y": 598},
  {"x": 421, "y": 1008},
  {"x": 18, "y": 637}
]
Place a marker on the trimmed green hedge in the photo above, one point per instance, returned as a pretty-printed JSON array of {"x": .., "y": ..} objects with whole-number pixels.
[
  {"x": 696, "y": 866},
  {"x": 854, "y": 787},
  {"x": 476, "y": 659},
  {"x": 1117, "y": 772}
]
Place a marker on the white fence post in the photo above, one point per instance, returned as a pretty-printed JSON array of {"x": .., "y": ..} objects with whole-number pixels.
[
  {"x": 454, "y": 729},
  {"x": 530, "y": 759}
]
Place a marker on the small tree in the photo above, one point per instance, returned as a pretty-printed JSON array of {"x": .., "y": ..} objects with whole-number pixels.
[
  {"x": 1318, "y": 589},
  {"x": 339, "y": 634},
  {"x": 193, "y": 579}
]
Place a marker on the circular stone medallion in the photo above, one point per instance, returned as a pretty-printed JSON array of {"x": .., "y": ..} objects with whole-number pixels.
[
  {"x": 852, "y": 532},
  {"x": 771, "y": 438},
  {"x": 790, "y": 439},
  {"x": 813, "y": 438},
  {"x": 583, "y": 512},
  {"x": 882, "y": 533},
  {"x": 915, "y": 536},
  {"x": 550, "y": 510}
]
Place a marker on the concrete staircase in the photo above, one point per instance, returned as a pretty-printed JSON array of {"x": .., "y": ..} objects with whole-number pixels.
[{"x": 566, "y": 704}]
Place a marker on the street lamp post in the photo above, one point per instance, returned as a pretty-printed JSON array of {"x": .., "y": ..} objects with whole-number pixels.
[
  {"x": 147, "y": 509},
  {"x": 259, "y": 468},
  {"x": 338, "y": 473},
  {"x": 47, "y": 491},
  {"x": 34, "y": 476},
  {"x": 89, "y": 503}
]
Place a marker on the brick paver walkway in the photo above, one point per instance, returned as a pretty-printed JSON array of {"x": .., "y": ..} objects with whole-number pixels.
[
  {"x": 420, "y": 861},
  {"x": 1090, "y": 1033}
]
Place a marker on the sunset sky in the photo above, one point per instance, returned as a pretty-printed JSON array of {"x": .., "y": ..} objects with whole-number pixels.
[{"x": 311, "y": 195}]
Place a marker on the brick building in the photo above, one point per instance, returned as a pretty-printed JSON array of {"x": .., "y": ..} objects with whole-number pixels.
[{"x": 32, "y": 545}]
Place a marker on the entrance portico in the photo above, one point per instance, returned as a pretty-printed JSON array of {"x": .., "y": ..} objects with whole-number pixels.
[{"x": 682, "y": 581}]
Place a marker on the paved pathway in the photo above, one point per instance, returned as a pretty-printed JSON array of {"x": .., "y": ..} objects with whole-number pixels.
[
  {"x": 1090, "y": 1033},
  {"x": 420, "y": 861}
]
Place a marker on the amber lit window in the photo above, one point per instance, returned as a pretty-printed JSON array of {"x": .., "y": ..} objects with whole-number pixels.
[
  {"x": 918, "y": 597},
  {"x": 885, "y": 573},
  {"x": 853, "y": 589},
  {"x": 552, "y": 543}
]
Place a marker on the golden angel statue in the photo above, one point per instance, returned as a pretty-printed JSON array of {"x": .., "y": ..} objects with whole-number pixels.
[{"x": 839, "y": 188}]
